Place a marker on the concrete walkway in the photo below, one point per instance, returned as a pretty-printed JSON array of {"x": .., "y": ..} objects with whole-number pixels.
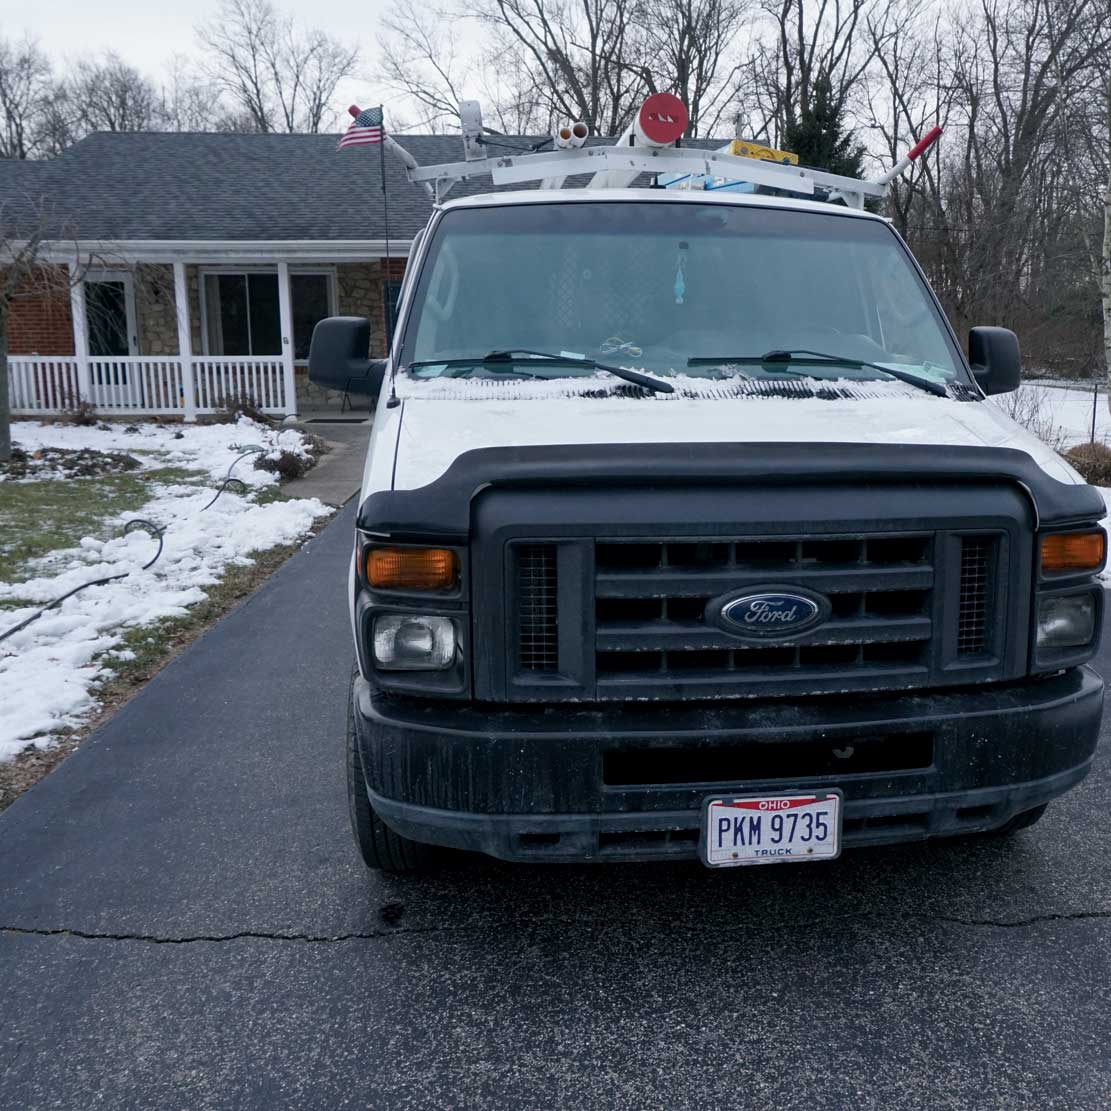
[{"x": 339, "y": 474}]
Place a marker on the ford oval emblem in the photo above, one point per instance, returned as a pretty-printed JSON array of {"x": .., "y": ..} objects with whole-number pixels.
[{"x": 772, "y": 613}]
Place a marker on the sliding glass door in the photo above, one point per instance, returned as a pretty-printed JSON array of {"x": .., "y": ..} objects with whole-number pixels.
[{"x": 242, "y": 317}]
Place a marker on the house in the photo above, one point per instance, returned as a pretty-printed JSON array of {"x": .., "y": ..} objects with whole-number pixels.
[{"x": 183, "y": 269}]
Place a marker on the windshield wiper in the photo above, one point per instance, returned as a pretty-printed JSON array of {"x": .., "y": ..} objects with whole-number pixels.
[
  {"x": 634, "y": 376},
  {"x": 789, "y": 356},
  {"x": 496, "y": 358}
]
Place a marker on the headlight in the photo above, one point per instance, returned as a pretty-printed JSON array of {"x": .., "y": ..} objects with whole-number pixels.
[
  {"x": 1067, "y": 621},
  {"x": 414, "y": 642}
]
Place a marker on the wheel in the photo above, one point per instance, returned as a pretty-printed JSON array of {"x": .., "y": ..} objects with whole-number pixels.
[
  {"x": 1022, "y": 821},
  {"x": 378, "y": 845}
]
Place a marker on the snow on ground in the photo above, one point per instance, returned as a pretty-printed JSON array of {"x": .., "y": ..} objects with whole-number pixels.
[
  {"x": 48, "y": 670},
  {"x": 211, "y": 448},
  {"x": 1058, "y": 413}
]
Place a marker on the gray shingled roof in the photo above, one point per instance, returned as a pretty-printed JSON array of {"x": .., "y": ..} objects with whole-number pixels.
[{"x": 154, "y": 185}]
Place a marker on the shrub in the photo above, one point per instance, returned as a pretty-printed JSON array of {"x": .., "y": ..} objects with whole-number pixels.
[
  {"x": 1093, "y": 461},
  {"x": 83, "y": 414},
  {"x": 233, "y": 406},
  {"x": 286, "y": 466},
  {"x": 1032, "y": 407},
  {"x": 290, "y": 464}
]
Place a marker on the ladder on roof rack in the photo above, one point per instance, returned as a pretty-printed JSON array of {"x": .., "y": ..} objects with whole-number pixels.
[{"x": 649, "y": 145}]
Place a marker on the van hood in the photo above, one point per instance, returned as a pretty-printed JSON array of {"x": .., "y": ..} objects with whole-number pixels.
[{"x": 433, "y": 432}]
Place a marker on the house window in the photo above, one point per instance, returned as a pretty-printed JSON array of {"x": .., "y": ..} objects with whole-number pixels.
[{"x": 242, "y": 315}]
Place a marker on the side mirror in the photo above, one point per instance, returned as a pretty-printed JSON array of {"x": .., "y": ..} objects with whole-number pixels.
[
  {"x": 994, "y": 356},
  {"x": 338, "y": 356}
]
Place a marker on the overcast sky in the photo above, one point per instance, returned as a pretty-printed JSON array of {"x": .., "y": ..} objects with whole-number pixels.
[{"x": 148, "y": 33}]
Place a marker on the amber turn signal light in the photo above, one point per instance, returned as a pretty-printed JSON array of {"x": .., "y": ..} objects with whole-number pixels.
[
  {"x": 1073, "y": 551},
  {"x": 412, "y": 568}
]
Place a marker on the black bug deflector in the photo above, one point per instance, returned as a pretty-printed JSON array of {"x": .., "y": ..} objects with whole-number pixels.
[{"x": 442, "y": 510}]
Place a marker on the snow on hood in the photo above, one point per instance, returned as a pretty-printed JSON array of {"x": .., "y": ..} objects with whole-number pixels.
[{"x": 436, "y": 428}]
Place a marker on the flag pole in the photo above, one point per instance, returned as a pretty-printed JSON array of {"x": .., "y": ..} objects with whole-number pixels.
[
  {"x": 386, "y": 222},
  {"x": 392, "y": 401}
]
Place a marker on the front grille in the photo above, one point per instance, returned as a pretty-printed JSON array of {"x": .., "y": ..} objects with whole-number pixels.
[
  {"x": 651, "y": 599},
  {"x": 538, "y": 626},
  {"x": 977, "y": 559}
]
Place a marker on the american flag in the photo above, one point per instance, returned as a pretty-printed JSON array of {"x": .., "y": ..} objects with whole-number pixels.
[{"x": 366, "y": 129}]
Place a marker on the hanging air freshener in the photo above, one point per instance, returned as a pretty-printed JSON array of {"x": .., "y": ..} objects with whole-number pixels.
[{"x": 680, "y": 278}]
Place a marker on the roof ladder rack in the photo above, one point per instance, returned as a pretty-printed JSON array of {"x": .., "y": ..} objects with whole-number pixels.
[{"x": 650, "y": 145}]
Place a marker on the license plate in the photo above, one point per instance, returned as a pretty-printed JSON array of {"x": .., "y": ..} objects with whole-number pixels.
[{"x": 771, "y": 829}]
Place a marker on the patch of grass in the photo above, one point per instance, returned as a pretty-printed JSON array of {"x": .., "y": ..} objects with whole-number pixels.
[{"x": 37, "y": 518}]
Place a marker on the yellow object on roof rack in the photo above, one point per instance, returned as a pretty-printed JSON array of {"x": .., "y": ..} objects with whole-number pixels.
[{"x": 744, "y": 148}]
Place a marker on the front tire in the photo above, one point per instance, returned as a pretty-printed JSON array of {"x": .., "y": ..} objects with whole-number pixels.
[{"x": 378, "y": 845}]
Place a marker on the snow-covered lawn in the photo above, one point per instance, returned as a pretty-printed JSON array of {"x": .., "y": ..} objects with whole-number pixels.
[
  {"x": 49, "y": 671},
  {"x": 1062, "y": 416}
]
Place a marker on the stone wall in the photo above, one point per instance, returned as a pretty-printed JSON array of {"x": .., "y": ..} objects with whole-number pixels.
[
  {"x": 156, "y": 309},
  {"x": 359, "y": 293},
  {"x": 193, "y": 282}
]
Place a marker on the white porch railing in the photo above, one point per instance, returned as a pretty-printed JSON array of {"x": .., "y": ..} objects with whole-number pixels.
[
  {"x": 220, "y": 379},
  {"x": 46, "y": 384},
  {"x": 145, "y": 384}
]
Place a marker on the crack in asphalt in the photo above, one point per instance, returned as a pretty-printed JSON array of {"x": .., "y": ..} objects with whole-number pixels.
[
  {"x": 376, "y": 935},
  {"x": 241, "y": 935}
]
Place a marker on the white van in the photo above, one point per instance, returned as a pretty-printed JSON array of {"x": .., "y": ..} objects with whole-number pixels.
[{"x": 687, "y": 530}]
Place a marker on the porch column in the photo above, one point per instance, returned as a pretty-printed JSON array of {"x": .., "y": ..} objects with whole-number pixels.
[
  {"x": 285, "y": 316},
  {"x": 80, "y": 331},
  {"x": 185, "y": 341}
]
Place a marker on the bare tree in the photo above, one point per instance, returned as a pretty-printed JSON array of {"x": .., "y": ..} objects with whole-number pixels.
[
  {"x": 578, "y": 55},
  {"x": 423, "y": 62},
  {"x": 26, "y": 224},
  {"x": 25, "y": 89},
  {"x": 1105, "y": 260},
  {"x": 107, "y": 94},
  {"x": 691, "y": 48},
  {"x": 188, "y": 104},
  {"x": 812, "y": 43},
  {"x": 1021, "y": 69},
  {"x": 282, "y": 79}
]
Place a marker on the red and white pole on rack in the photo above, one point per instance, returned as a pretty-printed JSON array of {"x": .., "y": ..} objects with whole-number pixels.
[{"x": 920, "y": 147}]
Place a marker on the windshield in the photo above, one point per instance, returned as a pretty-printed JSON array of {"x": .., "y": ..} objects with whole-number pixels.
[{"x": 671, "y": 288}]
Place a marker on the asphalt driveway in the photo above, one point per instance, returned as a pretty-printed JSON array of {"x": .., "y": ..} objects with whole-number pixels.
[{"x": 184, "y": 925}]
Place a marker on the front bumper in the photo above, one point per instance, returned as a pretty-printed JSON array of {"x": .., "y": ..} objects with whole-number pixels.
[{"x": 569, "y": 784}]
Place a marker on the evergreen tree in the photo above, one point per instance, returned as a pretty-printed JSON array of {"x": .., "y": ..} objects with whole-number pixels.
[{"x": 819, "y": 136}]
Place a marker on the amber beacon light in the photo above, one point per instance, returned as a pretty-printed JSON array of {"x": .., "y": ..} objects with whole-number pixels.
[
  {"x": 412, "y": 568},
  {"x": 1074, "y": 551}
]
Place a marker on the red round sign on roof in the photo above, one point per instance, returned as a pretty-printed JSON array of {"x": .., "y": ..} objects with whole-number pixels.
[{"x": 663, "y": 118}]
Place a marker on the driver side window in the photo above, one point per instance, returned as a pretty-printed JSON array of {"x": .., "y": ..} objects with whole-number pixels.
[{"x": 904, "y": 314}]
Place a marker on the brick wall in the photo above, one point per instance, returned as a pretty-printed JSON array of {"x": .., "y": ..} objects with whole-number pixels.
[{"x": 40, "y": 321}]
